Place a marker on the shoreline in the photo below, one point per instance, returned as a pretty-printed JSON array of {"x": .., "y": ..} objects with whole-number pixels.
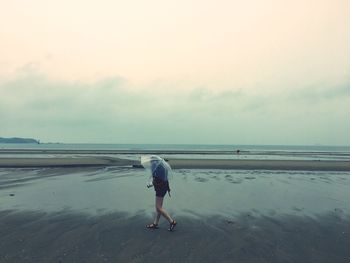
[
  {"x": 176, "y": 163},
  {"x": 125, "y": 151}
]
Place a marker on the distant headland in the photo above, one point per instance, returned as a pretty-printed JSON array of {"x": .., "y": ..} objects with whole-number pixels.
[{"x": 18, "y": 140}]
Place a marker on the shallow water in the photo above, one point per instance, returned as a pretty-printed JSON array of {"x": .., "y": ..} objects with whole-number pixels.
[{"x": 194, "y": 192}]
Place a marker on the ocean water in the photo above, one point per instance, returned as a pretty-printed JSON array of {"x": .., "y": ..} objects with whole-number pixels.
[{"x": 133, "y": 151}]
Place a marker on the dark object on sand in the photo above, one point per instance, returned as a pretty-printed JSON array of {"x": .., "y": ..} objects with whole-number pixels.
[{"x": 11, "y": 194}]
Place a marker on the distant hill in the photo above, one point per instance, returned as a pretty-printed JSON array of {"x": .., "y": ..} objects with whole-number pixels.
[{"x": 18, "y": 140}]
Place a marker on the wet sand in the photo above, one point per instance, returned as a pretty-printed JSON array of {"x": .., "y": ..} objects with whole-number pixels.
[
  {"x": 301, "y": 165},
  {"x": 304, "y": 165},
  {"x": 118, "y": 237},
  {"x": 98, "y": 214},
  {"x": 63, "y": 162}
]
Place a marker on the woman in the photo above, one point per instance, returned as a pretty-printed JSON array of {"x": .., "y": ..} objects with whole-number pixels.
[{"x": 161, "y": 186}]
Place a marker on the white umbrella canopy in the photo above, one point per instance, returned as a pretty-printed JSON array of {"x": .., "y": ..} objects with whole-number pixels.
[{"x": 157, "y": 166}]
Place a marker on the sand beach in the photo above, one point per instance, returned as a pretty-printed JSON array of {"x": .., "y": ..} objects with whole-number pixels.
[
  {"x": 94, "y": 208},
  {"x": 176, "y": 163}
]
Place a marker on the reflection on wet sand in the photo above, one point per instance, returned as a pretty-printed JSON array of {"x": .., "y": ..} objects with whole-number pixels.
[
  {"x": 122, "y": 237},
  {"x": 99, "y": 214}
]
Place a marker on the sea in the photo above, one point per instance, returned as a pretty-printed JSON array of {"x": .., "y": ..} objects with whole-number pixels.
[{"x": 209, "y": 151}]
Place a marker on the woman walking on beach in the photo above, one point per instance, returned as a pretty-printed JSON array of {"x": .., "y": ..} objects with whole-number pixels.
[{"x": 160, "y": 170}]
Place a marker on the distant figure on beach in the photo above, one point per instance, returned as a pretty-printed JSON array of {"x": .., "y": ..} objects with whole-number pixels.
[
  {"x": 238, "y": 151},
  {"x": 160, "y": 182}
]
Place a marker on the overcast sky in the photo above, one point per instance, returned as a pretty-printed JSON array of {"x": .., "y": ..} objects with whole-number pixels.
[{"x": 160, "y": 71}]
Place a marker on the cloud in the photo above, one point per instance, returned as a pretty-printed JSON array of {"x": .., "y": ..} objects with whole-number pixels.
[
  {"x": 320, "y": 92},
  {"x": 32, "y": 100},
  {"x": 111, "y": 110}
]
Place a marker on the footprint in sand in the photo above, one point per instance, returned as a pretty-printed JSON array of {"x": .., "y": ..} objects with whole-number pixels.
[
  {"x": 250, "y": 177},
  {"x": 201, "y": 179},
  {"x": 232, "y": 180},
  {"x": 236, "y": 181}
]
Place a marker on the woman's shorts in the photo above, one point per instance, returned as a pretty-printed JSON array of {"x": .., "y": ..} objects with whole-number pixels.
[{"x": 161, "y": 192}]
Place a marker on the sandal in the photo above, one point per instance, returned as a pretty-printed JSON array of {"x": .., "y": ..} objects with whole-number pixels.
[
  {"x": 172, "y": 225},
  {"x": 152, "y": 226}
]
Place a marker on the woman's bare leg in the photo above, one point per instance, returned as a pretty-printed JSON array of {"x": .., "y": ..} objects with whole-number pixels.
[
  {"x": 161, "y": 211},
  {"x": 156, "y": 219}
]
